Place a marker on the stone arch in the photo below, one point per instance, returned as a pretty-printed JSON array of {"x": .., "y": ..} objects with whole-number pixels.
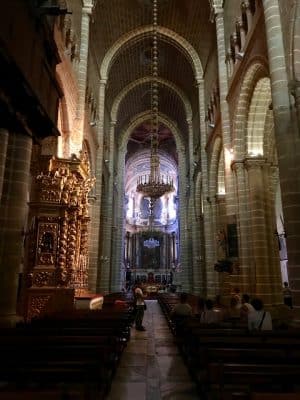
[
  {"x": 140, "y": 118},
  {"x": 140, "y": 33},
  {"x": 141, "y": 81},
  {"x": 253, "y": 74},
  {"x": 257, "y": 115},
  {"x": 63, "y": 122},
  {"x": 295, "y": 43}
]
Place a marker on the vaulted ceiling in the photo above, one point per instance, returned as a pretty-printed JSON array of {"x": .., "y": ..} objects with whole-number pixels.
[{"x": 188, "y": 26}]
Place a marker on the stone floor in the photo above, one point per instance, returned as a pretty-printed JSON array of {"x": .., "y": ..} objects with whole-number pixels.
[{"x": 151, "y": 367}]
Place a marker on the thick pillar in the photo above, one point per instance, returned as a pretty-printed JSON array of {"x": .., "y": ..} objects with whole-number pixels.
[
  {"x": 13, "y": 211},
  {"x": 193, "y": 223},
  {"x": 118, "y": 224},
  {"x": 3, "y": 149},
  {"x": 184, "y": 277},
  {"x": 223, "y": 82},
  {"x": 77, "y": 135},
  {"x": 95, "y": 262},
  {"x": 208, "y": 274},
  {"x": 287, "y": 142},
  {"x": 257, "y": 207},
  {"x": 247, "y": 263},
  {"x": 246, "y": 7}
]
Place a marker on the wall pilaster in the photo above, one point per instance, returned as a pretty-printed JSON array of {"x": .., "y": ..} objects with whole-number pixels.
[
  {"x": 287, "y": 141},
  {"x": 13, "y": 211},
  {"x": 210, "y": 274},
  {"x": 3, "y": 149},
  {"x": 95, "y": 264},
  {"x": 77, "y": 135}
]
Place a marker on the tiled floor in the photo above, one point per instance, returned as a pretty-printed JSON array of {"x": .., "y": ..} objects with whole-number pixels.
[{"x": 151, "y": 367}]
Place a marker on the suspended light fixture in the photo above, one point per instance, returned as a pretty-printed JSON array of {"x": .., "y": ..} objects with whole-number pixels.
[{"x": 154, "y": 185}]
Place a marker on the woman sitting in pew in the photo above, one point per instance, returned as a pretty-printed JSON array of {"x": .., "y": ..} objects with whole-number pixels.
[
  {"x": 181, "y": 312},
  {"x": 246, "y": 308},
  {"x": 209, "y": 315},
  {"x": 259, "y": 319}
]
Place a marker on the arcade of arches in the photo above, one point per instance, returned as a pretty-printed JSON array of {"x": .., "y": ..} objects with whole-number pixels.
[{"x": 75, "y": 130}]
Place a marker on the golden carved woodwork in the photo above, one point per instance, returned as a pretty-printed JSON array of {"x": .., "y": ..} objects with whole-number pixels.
[
  {"x": 58, "y": 237},
  {"x": 43, "y": 278},
  {"x": 36, "y": 305}
]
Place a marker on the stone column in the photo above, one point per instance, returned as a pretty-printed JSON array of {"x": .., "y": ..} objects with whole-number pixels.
[
  {"x": 246, "y": 7},
  {"x": 194, "y": 224},
  {"x": 287, "y": 142},
  {"x": 77, "y": 135},
  {"x": 3, "y": 149},
  {"x": 118, "y": 223},
  {"x": 184, "y": 228},
  {"x": 257, "y": 209},
  {"x": 271, "y": 180},
  {"x": 208, "y": 273},
  {"x": 295, "y": 61},
  {"x": 95, "y": 238},
  {"x": 223, "y": 82},
  {"x": 241, "y": 28},
  {"x": 13, "y": 211},
  {"x": 247, "y": 266},
  {"x": 107, "y": 211}
]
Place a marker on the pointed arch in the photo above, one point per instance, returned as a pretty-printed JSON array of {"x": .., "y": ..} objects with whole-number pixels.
[
  {"x": 140, "y": 33},
  {"x": 146, "y": 79},
  {"x": 256, "y": 71},
  {"x": 142, "y": 117}
]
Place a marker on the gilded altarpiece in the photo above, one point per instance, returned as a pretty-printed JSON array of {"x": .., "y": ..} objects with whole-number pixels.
[{"x": 57, "y": 239}]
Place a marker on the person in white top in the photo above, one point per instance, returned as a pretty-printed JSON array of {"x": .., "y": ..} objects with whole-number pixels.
[
  {"x": 246, "y": 308},
  {"x": 259, "y": 319},
  {"x": 209, "y": 315},
  {"x": 139, "y": 309}
]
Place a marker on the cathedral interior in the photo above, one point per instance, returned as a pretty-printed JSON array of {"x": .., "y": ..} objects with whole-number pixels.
[{"x": 148, "y": 141}]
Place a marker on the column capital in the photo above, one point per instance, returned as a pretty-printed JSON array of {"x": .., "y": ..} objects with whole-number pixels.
[
  {"x": 103, "y": 81},
  {"x": 216, "y": 7},
  {"x": 189, "y": 122},
  {"x": 199, "y": 82},
  {"x": 237, "y": 165},
  {"x": 245, "y": 4},
  {"x": 87, "y": 7},
  {"x": 254, "y": 162}
]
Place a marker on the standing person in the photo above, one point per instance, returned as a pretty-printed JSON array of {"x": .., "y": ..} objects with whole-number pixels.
[
  {"x": 287, "y": 295},
  {"x": 259, "y": 319},
  {"x": 140, "y": 309}
]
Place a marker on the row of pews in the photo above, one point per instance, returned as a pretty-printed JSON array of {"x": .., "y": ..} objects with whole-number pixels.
[
  {"x": 65, "y": 357},
  {"x": 229, "y": 362}
]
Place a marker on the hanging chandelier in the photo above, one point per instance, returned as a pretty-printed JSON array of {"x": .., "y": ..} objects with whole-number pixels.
[{"x": 154, "y": 185}]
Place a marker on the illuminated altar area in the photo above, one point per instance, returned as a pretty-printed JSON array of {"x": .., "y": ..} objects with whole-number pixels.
[{"x": 151, "y": 245}]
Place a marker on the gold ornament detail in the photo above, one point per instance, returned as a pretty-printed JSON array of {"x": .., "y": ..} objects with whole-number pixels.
[{"x": 37, "y": 305}]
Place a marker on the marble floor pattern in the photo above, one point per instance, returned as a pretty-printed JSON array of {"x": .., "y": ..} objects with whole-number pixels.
[{"x": 151, "y": 367}]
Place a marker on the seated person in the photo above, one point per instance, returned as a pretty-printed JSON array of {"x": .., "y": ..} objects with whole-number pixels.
[
  {"x": 181, "y": 312},
  {"x": 96, "y": 303},
  {"x": 200, "y": 306},
  {"x": 259, "y": 319},
  {"x": 246, "y": 307},
  {"x": 221, "y": 308},
  {"x": 209, "y": 315},
  {"x": 234, "y": 310}
]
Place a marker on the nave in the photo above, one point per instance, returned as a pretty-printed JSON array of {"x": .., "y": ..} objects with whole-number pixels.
[{"x": 151, "y": 367}]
